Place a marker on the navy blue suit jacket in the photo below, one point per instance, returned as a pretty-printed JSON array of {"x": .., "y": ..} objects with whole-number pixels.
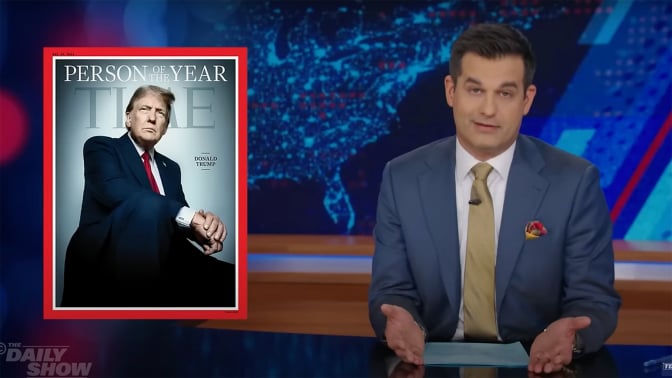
[
  {"x": 114, "y": 176},
  {"x": 113, "y": 172},
  {"x": 568, "y": 272}
]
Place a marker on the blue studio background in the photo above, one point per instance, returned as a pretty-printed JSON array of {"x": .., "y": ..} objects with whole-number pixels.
[{"x": 335, "y": 89}]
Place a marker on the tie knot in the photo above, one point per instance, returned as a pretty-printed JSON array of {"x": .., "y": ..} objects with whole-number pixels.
[
  {"x": 481, "y": 171},
  {"x": 145, "y": 156}
]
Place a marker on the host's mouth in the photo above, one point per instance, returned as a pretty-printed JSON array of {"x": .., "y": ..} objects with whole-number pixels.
[{"x": 485, "y": 125}]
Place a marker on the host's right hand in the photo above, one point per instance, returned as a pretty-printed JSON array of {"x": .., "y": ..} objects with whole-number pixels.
[{"x": 403, "y": 335}]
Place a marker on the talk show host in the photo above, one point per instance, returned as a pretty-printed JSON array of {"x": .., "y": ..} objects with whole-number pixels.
[
  {"x": 491, "y": 235},
  {"x": 131, "y": 247}
]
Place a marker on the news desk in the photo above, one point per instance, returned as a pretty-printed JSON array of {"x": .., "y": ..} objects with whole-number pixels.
[
  {"x": 171, "y": 349},
  {"x": 263, "y": 354}
]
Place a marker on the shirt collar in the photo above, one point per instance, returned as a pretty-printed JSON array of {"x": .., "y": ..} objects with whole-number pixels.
[
  {"x": 464, "y": 161},
  {"x": 139, "y": 149}
]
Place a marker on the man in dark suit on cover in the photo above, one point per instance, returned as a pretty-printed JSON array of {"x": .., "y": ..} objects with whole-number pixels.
[
  {"x": 131, "y": 247},
  {"x": 530, "y": 219}
]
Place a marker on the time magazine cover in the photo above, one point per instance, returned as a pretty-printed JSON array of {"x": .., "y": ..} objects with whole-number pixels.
[{"x": 87, "y": 94}]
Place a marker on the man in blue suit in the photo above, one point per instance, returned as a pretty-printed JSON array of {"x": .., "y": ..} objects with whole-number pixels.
[
  {"x": 553, "y": 257},
  {"x": 131, "y": 246}
]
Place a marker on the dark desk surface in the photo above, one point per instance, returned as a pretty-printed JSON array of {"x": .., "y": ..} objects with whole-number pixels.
[{"x": 170, "y": 349}]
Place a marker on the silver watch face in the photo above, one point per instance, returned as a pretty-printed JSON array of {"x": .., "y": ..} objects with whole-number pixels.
[{"x": 577, "y": 347}]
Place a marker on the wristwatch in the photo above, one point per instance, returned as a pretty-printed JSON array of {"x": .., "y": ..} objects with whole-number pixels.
[{"x": 577, "y": 347}]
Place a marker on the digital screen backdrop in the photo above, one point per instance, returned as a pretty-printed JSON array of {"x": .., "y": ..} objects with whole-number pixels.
[{"x": 336, "y": 89}]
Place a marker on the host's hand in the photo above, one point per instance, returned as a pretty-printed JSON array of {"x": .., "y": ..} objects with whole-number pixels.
[
  {"x": 403, "y": 335},
  {"x": 552, "y": 349}
]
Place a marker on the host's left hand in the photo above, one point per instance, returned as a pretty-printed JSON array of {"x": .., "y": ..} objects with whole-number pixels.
[{"x": 552, "y": 349}]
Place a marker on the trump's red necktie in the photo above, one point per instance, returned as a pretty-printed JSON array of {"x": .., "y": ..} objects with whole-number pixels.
[{"x": 148, "y": 170}]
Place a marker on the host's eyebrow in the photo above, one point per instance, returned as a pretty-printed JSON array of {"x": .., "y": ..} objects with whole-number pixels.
[
  {"x": 506, "y": 84},
  {"x": 471, "y": 80},
  {"x": 509, "y": 84}
]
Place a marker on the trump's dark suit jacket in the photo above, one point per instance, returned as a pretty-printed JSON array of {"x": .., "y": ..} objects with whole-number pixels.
[
  {"x": 568, "y": 272},
  {"x": 121, "y": 251}
]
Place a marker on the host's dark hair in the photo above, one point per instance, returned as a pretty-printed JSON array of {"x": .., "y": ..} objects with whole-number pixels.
[
  {"x": 492, "y": 41},
  {"x": 167, "y": 96}
]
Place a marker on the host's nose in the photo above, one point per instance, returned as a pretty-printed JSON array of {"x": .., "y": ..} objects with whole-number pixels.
[{"x": 488, "y": 106}]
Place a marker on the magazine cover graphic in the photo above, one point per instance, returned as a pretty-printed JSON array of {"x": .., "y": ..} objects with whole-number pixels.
[{"x": 96, "y": 123}]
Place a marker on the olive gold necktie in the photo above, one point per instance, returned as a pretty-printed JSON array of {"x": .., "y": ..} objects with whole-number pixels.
[
  {"x": 479, "y": 274},
  {"x": 479, "y": 372}
]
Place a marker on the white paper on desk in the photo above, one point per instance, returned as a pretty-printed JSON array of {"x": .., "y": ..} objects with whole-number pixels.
[{"x": 475, "y": 354}]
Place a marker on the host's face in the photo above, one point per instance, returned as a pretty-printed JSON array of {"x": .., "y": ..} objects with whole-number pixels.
[
  {"x": 148, "y": 120},
  {"x": 489, "y": 101}
]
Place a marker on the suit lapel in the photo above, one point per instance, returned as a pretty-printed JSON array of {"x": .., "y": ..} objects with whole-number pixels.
[
  {"x": 525, "y": 190},
  {"x": 130, "y": 156},
  {"x": 437, "y": 193}
]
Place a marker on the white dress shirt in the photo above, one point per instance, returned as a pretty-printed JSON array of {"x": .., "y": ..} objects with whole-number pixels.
[{"x": 496, "y": 185}]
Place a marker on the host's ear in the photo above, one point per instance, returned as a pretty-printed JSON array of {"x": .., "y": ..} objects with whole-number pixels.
[
  {"x": 530, "y": 92},
  {"x": 449, "y": 86},
  {"x": 128, "y": 120}
]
